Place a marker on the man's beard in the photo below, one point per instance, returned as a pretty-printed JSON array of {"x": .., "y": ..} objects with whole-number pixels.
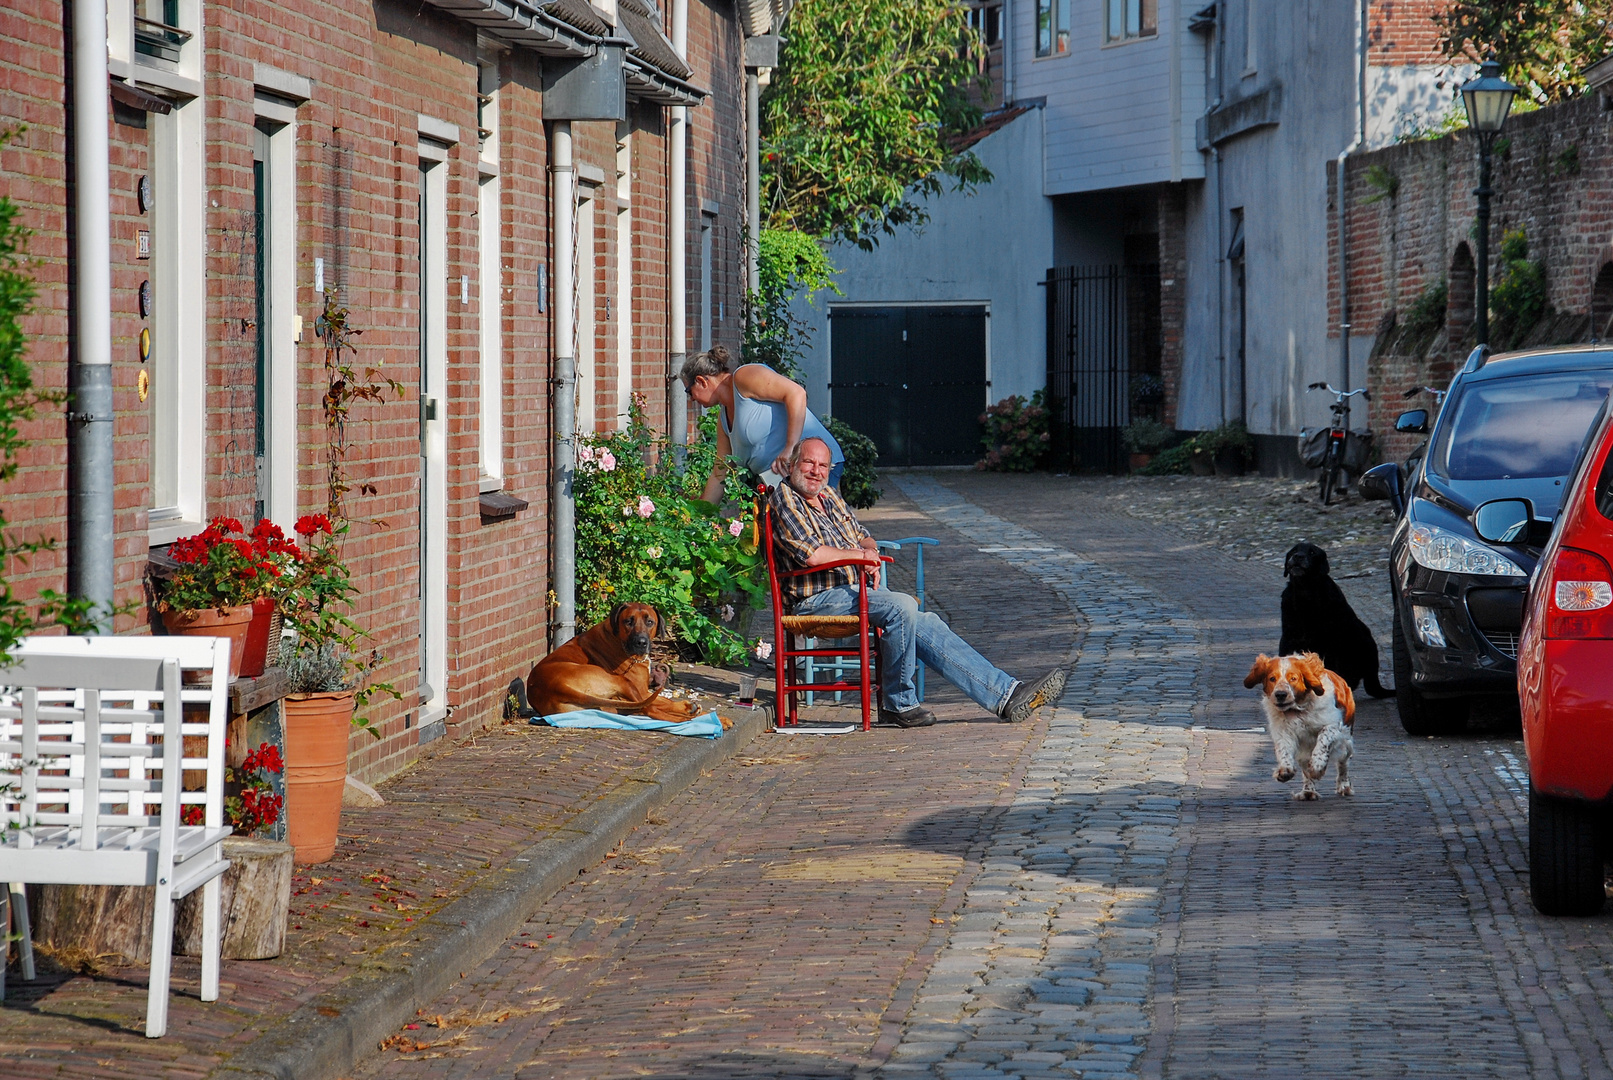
[{"x": 806, "y": 485}]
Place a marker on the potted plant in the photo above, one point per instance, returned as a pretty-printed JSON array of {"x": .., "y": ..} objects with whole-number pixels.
[
  {"x": 257, "y": 886},
  {"x": 1144, "y": 438},
  {"x": 222, "y": 574},
  {"x": 328, "y": 678},
  {"x": 1231, "y": 449}
]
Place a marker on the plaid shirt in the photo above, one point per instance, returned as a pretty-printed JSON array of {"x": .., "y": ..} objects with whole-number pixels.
[{"x": 799, "y": 529}]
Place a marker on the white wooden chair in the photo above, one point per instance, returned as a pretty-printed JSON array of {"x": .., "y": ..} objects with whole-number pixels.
[{"x": 92, "y": 761}]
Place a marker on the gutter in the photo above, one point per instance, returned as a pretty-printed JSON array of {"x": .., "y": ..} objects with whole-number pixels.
[{"x": 523, "y": 23}]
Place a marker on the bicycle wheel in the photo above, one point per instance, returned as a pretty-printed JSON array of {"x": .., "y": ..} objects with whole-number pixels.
[{"x": 1330, "y": 474}]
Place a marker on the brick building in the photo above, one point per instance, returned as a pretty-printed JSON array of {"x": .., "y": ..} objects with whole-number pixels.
[
  {"x": 1409, "y": 220},
  {"x": 396, "y": 154}
]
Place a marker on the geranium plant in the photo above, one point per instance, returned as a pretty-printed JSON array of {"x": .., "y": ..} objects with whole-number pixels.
[
  {"x": 254, "y": 806},
  {"x": 223, "y": 566},
  {"x": 643, "y": 534}
]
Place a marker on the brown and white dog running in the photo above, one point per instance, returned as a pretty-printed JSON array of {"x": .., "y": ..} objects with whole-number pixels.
[{"x": 1310, "y": 713}]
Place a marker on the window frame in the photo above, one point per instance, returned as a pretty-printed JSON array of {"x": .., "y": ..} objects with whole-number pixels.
[
  {"x": 1147, "y": 17},
  {"x": 1056, "y": 14}
]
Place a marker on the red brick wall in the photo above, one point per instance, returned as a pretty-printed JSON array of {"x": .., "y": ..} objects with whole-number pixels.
[
  {"x": 1403, "y": 32},
  {"x": 1551, "y": 176},
  {"x": 374, "y": 66},
  {"x": 1172, "y": 291}
]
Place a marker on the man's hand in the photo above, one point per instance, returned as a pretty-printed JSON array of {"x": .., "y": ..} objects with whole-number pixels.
[{"x": 781, "y": 464}]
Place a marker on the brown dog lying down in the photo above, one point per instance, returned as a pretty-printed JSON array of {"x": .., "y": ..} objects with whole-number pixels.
[{"x": 608, "y": 668}]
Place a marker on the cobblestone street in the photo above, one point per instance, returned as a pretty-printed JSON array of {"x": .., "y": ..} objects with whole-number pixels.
[{"x": 1119, "y": 890}]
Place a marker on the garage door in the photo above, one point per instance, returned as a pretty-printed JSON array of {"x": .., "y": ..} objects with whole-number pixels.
[{"x": 913, "y": 379}]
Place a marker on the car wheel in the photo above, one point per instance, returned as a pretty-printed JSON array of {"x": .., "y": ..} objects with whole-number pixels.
[
  {"x": 1419, "y": 714},
  {"x": 1565, "y": 856}
]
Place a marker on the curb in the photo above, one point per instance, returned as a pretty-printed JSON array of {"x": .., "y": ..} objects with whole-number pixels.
[{"x": 326, "y": 1036}]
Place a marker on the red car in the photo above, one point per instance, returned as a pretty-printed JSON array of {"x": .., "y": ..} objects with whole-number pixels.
[{"x": 1565, "y": 681}]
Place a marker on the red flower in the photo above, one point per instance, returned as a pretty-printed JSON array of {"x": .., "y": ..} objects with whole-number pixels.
[{"x": 309, "y": 524}]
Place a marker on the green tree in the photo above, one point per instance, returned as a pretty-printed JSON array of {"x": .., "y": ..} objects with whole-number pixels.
[
  {"x": 860, "y": 121},
  {"x": 1542, "y": 45},
  {"x": 790, "y": 262}
]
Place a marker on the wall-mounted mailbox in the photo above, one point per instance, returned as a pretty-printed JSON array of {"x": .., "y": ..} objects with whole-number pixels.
[{"x": 594, "y": 88}]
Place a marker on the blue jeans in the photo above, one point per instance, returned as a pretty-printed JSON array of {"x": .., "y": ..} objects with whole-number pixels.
[{"x": 909, "y": 634}]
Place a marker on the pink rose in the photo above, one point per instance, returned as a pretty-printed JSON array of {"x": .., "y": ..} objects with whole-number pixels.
[
  {"x": 735, "y": 527},
  {"x": 645, "y": 506},
  {"x": 585, "y": 453},
  {"x": 607, "y": 461}
]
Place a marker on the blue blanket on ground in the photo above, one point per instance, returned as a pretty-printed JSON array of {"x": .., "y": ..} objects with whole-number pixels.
[{"x": 705, "y": 727}]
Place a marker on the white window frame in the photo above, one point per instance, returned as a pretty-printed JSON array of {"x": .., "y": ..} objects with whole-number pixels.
[
  {"x": 1056, "y": 13},
  {"x": 178, "y": 272},
  {"x": 623, "y": 313},
  {"x": 490, "y": 285},
  {"x": 275, "y": 107}
]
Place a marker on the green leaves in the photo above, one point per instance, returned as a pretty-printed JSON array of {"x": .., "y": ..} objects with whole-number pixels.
[
  {"x": 858, "y": 120},
  {"x": 682, "y": 555},
  {"x": 1542, "y": 45}
]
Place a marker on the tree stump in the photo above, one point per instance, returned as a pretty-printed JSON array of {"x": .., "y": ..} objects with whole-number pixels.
[
  {"x": 93, "y": 920},
  {"x": 255, "y": 901},
  {"x": 115, "y": 920}
]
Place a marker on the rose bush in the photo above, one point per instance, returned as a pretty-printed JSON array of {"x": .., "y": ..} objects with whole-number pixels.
[{"x": 643, "y": 534}]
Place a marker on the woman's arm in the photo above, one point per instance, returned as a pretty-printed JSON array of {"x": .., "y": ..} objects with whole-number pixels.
[
  {"x": 719, "y": 471},
  {"x": 762, "y": 383}
]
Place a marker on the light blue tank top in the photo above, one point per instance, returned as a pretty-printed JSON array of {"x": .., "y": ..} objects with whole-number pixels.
[{"x": 760, "y": 428}]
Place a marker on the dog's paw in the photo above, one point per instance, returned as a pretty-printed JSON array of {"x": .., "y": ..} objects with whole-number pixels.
[
  {"x": 1346, "y": 789},
  {"x": 1306, "y": 795},
  {"x": 1282, "y": 774},
  {"x": 727, "y": 724},
  {"x": 1313, "y": 773}
]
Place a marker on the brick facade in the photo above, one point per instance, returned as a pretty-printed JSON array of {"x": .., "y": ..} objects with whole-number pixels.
[
  {"x": 374, "y": 67},
  {"x": 1403, "y": 32},
  {"x": 1551, "y": 175},
  {"x": 1172, "y": 292}
]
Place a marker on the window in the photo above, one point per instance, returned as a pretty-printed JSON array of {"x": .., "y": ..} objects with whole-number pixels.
[
  {"x": 1052, "y": 27},
  {"x": 986, "y": 22},
  {"x": 1132, "y": 19},
  {"x": 490, "y": 292}
]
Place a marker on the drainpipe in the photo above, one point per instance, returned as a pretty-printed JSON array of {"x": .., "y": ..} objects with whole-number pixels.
[
  {"x": 89, "y": 503},
  {"x": 1220, "y": 211},
  {"x": 564, "y": 509},
  {"x": 753, "y": 181},
  {"x": 1355, "y": 144},
  {"x": 1007, "y": 32},
  {"x": 677, "y": 242}
]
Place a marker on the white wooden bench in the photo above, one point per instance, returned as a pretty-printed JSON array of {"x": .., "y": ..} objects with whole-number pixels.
[{"x": 92, "y": 760}]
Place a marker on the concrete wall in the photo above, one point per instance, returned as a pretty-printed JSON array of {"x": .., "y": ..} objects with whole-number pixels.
[
  {"x": 993, "y": 246},
  {"x": 1278, "y": 175}
]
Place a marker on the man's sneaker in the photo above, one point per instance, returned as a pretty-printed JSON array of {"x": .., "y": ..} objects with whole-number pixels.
[
  {"x": 917, "y": 716},
  {"x": 1028, "y": 697}
]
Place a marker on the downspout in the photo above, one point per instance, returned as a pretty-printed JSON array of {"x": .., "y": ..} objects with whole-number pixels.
[
  {"x": 1355, "y": 144},
  {"x": 89, "y": 504},
  {"x": 1007, "y": 32},
  {"x": 563, "y": 512},
  {"x": 753, "y": 181},
  {"x": 1220, "y": 211},
  {"x": 677, "y": 242}
]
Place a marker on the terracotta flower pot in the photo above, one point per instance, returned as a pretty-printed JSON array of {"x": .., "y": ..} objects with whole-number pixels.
[
  {"x": 317, "y": 727},
  {"x": 1140, "y": 461},
  {"x": 255, "y": 652},
  {"x": 233, "y": 623}
]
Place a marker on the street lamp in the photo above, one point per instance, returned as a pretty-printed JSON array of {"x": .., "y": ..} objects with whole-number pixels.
[{"x": 1488, "y": 99}]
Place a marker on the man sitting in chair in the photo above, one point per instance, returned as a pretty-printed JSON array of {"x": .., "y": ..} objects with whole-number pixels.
[{"x": 811, "y": 526}]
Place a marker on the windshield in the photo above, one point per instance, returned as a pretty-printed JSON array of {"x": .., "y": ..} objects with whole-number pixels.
[{"x": 1525, "y": 426}]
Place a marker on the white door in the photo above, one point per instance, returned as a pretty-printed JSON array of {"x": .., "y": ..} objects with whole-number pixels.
[{"x": 433, "y": 448}]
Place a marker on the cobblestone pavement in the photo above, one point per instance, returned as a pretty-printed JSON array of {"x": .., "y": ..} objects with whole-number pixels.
[{"x": 1120, "y": 889}]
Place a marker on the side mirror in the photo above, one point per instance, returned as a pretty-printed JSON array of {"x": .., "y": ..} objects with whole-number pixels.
[
  {"x": 1384, "y": 482},
  {"x": 1504, "y": 521},
  {"x": 1414, "y": 421}
]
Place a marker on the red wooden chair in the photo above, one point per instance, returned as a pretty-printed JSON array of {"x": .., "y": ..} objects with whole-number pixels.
[{"x": 836, "y": 627}]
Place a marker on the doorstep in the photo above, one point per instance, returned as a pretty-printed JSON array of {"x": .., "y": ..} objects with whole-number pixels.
[{"x": 471, "y": 841}]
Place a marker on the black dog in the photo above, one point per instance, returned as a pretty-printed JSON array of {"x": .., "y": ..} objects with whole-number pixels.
[{"x": 1317, "y": 618}]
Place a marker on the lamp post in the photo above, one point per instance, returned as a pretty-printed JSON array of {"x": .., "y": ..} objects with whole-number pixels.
[{"x": 1488, "y": 99}]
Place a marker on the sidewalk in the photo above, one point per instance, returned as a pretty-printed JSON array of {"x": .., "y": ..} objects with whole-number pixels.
[{"x": 470, "y": 842}]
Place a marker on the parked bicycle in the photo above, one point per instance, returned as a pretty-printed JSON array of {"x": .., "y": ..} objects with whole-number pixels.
[{"x": 1344, "y": 451}]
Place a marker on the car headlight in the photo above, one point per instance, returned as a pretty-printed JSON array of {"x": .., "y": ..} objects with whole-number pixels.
[{"x": 1440, "y": 549}]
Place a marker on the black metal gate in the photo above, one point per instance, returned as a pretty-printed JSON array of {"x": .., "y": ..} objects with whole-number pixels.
[
  {"x": 1097, "y": 318},
  {"x": 912, "y": 379}
]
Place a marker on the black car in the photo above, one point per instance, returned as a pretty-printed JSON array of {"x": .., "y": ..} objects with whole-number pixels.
[{"x": 1510, "y": 428}]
